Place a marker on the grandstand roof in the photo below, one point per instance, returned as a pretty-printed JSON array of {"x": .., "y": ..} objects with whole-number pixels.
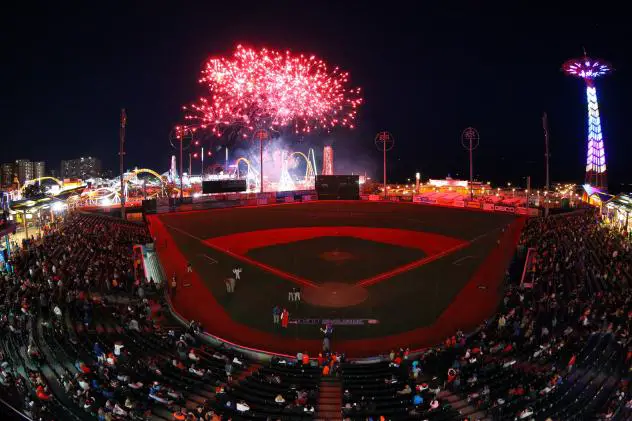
[
  {"x": 621, "y": 202},
  {"x": 33, "y": 204}
]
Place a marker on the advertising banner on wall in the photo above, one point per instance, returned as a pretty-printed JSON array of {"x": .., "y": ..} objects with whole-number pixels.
[
  {"x": 375, "y": 197},
  {"x": 475, "y": 205},
  {"x": 509, "y": 209},
  {"x": 458, "y": 204},
  {"x": 417, "y": 199}
]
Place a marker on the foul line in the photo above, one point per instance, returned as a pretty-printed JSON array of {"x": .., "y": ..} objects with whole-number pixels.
[
  {"x": 274, "y": 271},
  {"x": 405, "y": 268},
  {"x": 457, "y": 262},
  {"x": 181, "y": 231},
  {"x": 206, "y": 256},
  {"x": 414, "y": 265},
  {"x": 281, "y": 274}
]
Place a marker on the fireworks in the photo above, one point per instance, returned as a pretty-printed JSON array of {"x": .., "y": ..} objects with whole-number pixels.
[{"x": 274, "y": 90}]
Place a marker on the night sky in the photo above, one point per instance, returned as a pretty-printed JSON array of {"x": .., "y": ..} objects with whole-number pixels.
[{"x": 426, "y": 74}]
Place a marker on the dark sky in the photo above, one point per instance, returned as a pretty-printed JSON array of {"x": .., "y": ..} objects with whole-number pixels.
[{"x": 426, "y": 74}]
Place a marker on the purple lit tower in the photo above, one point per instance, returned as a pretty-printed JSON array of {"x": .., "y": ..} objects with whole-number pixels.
[{"x": 589, "y": 69}]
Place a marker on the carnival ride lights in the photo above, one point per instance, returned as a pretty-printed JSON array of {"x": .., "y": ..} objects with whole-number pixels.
[
  {"x": 309, "y": 167},
  {"x": 251, "y": 176},
  {"x": 286, "y": 181},
  {"x": 131, "y": 179},
  {"x": 100, "y": 196},
  {"x": 589, "y": 69},
  {"x": 58, "y": 206},
  {"x": 40, "y": 179},
  {"x": 110, "y": 194}
]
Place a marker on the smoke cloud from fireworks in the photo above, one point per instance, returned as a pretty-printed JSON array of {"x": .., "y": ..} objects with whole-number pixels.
[
  {"x": 273, "y": 90},
  {"x": 350, "y": 157}
]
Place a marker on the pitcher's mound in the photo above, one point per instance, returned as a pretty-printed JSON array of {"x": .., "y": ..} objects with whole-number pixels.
[
  {"x": 335, "y": 294},
  {"x": 336, "y": 256}
]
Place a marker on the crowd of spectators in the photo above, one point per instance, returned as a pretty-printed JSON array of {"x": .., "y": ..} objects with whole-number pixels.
[
  {"x": 558, "y": 348},
  {"x": 83, "y": 337}
]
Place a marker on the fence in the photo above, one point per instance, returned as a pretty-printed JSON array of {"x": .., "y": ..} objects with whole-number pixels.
[{"x": 456, "y": 203}]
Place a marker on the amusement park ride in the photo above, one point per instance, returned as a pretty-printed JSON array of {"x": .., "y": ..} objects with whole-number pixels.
[
  {"x": 243, "y": 168},
  {"x": 589, "y": 69},
  {"x": 145, "y": 183},
  {"x": 105, "y": 192}
]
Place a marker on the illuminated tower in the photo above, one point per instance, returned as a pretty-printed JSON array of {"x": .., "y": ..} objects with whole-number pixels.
[
  {"x": 285, "y": 182},
  {"x": 311, "y": 157},
  {"x": 172, "y": 169},
  {"x": 589, "y": 69},
  {"x": 328, "y": 161}
]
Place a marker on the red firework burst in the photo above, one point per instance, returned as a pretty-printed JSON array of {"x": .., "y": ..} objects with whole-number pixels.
[{"x": 269, "y": 89}]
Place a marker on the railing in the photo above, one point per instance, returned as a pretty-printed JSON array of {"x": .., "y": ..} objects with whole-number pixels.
[
  {"x": 528, "y": 267},
  {"x": 12, "y": 410}
]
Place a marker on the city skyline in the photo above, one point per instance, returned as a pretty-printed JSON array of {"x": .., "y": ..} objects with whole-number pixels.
[
  {"x": 26, "y": 169},
  {"x": 425, "y": 80}
]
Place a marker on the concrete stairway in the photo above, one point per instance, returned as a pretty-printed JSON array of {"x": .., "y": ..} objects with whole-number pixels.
[
  {"x": 329, "y": 400},
  {"x": 461, "y": 405},
  {"x": 243, "y": 375},
  {"x": 152, "y": 267}
]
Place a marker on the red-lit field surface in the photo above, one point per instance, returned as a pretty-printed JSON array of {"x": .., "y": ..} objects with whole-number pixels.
[{"x": 410, "y": 274}]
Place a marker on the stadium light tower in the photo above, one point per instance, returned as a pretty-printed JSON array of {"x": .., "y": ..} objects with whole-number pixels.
[{"x": 589, "y": 69}]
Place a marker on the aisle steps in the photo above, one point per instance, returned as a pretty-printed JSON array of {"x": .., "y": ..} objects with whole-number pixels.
[{"x": 329, "y": 400}]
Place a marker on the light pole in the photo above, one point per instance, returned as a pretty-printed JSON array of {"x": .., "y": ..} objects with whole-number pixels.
[
  {"x": 39, "y": 222},
  {"x": 545, "y": 126},
  {"x": 384, "y": 141},
  {"x": 181, "y": 135},
  {"x": 528, "y": 189},
  {"x": 202, "y": 169},
  {"x": 121, "y": 155},
  {"x": 26, "y": 226},
  {"x": 261, "y": 135},
  {"x": 469, "y": 140}
]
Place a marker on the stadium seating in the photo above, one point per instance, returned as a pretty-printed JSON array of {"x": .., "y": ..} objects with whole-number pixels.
[{"x": 77, "y": 342}]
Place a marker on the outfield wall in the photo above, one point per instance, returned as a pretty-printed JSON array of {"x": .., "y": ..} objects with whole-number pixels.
[
  {"x": 457, "y": 203},
  {"x": 259, "y": 199}
]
